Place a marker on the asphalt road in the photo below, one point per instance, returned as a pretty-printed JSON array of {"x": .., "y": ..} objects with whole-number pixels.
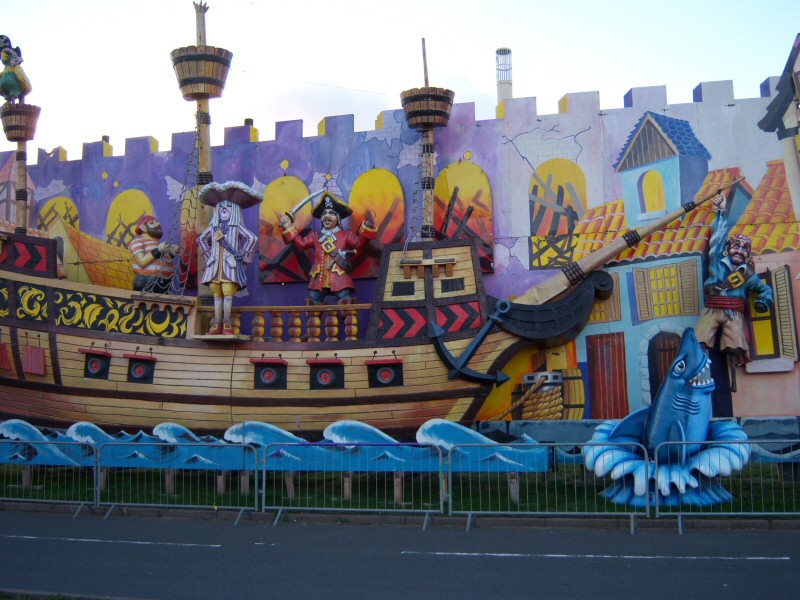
[{"x": 176, "y": 558}]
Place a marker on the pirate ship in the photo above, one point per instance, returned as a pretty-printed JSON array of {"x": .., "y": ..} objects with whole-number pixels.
[{"x": 122, "y": 359}]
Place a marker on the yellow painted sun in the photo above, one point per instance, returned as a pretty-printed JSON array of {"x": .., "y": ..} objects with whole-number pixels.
[{"x": 124, "y": 211}]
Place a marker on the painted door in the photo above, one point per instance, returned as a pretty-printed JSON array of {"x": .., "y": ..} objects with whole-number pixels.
[
  {"x": 608, "y": 379},
  {"x": 661, "y": 352}
]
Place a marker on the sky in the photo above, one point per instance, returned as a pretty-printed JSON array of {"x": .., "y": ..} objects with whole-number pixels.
[{"x": 102, "y": 67}]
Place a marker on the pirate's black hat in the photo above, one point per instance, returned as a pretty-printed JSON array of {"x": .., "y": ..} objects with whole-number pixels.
[{"x": 329, "y": 201}]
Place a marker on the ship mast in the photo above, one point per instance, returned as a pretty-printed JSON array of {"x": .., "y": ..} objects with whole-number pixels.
[
  {"x": 425, "y": 109},
  {"x": 202, "y": 71},
  {"x": 19, "y": 124}
]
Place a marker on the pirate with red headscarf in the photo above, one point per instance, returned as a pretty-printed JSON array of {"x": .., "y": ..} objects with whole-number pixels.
[
  {"x": 731, "y": 279},
  {"x": 153, "y": 264}
]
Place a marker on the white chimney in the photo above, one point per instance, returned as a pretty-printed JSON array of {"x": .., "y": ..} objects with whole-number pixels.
[{"x": 504, "y": 91}]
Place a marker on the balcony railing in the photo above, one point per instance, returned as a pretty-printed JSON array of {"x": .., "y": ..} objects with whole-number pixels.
[{"x": 316, "y": 323}]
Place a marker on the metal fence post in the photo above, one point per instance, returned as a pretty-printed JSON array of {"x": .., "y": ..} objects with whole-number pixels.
[{"x": 96, "y": 480}]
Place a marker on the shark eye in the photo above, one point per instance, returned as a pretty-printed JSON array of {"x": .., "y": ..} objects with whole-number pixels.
[{"x": 680, "y": 367}]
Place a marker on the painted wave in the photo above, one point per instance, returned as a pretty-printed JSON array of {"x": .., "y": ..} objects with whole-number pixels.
[
  {"x": 471, "y": 451},
  {"x": 26, "y": 444},
  {"x": 347, "y": 446}
]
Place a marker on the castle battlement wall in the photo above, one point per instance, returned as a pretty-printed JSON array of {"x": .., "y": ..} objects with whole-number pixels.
[
  {"x": 709, "y": 94},
  {"x": 508, "y": 150}
]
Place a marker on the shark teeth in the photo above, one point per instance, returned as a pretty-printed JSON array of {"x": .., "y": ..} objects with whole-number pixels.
[{"x": 703, "y": 378}]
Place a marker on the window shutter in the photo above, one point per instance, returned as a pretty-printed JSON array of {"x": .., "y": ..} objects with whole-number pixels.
[
  {"x": 784, "y": 313},
  {"x": 644, "y": 307},
  {"x": 33, "y": 360},
  {"x": 687, "y": 283}
]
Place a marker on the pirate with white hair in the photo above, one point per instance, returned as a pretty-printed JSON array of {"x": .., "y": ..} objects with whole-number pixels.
[{"x": 227, "y": 247}]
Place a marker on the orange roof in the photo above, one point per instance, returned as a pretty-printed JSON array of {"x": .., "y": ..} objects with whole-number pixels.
[
  {"x": 8, "y": 226},
  {"x": 769, "y": 219},
  {"x": 688, "y": 235},
  {"x": 599, "y": 225},
  {"x": 105, "y": 264}
]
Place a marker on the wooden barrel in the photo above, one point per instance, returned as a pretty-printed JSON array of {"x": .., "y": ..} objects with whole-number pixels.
[
  {"x": 201, "y": 70},
  {"x": 574, "y": 395},
  {"x": 19, "y": 121},
  {"x": 427, "y": 107}
]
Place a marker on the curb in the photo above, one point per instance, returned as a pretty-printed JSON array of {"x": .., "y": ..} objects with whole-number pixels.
[{"x": 298, "y": 517}]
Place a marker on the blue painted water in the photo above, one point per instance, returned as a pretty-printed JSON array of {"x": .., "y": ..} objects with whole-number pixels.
[{"x": 346, "y": 446}]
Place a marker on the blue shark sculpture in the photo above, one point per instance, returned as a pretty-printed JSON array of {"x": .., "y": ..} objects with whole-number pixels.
[{"x": 685, "y": 450}]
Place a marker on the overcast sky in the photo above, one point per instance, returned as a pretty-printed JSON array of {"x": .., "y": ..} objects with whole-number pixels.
[{"x": 102, "y": 67}]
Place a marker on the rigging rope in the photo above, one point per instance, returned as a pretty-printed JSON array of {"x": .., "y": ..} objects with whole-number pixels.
[
  {"x": 183, "y": 223},
  {"x": 418, "y": 200}
]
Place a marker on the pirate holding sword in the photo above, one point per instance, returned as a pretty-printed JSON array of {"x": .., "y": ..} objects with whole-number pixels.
[
  {"x": 333, "y": 246},
  {"x": 731, "y": 278},
  {"x": 721, "y": 326}
]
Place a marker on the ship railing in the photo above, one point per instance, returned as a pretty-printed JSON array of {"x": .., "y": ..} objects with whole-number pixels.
[
  {"x": 315, "y": 323},
  {"x": 383, "y": 478},
  {"x": 177, "y": 475},
  {"x": 51, "y": 472},
  {"x": 746, "y": 479},
  {"x": 532, "y": 479}
]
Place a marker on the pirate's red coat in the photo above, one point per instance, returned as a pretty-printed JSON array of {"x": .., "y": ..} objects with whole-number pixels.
[{"x": 325, "y": 272}]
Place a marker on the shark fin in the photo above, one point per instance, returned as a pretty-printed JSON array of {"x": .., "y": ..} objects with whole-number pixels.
[
  {"x": 678, "y": 434},
  {"x": 632, "y": 426}
]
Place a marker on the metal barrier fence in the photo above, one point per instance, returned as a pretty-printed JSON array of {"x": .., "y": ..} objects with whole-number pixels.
[
  {"x": 727, "y": 478},
  {"x": 532, "y": 479},
  {"x": 185, "y": 475},
  {"x": 403, "y": 478},
  {"x": 49, "y": 472}
]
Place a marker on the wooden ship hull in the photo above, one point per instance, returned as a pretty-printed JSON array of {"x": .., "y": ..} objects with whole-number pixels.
[
  {"x": 222, "y": 394},
  {"x": 71, "y": 352}
]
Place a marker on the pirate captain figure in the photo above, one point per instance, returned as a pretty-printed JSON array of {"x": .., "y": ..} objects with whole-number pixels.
[
  {"x": 227, "y": 247},
  {"x": 333, "y": 247}
]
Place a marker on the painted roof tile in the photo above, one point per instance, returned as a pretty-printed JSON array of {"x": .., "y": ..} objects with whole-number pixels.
[
  {"x": 769, "y": 219},
  {"x": 677, "y": 131}
]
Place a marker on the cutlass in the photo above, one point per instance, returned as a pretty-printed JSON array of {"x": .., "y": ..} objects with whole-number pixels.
[{"x": 293, "y": 213}]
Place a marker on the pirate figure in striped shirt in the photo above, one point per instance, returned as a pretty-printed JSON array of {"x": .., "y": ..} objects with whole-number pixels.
[{"x": 153, "y": 260}]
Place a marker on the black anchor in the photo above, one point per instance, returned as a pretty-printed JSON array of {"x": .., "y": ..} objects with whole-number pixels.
[{"x": 458, "y": 366}]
